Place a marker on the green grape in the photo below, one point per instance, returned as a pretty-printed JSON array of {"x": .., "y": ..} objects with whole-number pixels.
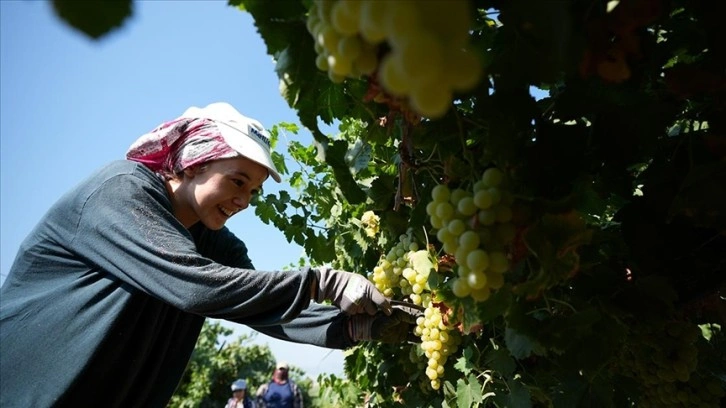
[
  {"x": 498, "y": 262},
  {"x": 444, "y": 210},
  {"x": 477, "y": 280},
  {"x": 372, "y": 21},
  {"x": 487, "y": 217},
  {"x": 440, "y": 193},
  {"x": 454, "y": 27},
  {"x": 312, "y": 22},
  {"x": 350, "y": 47},
  {"x": 466, "y": 206},
  {"x": 335, "y": 78},
  {"x": 321, "y": 61},
  {"x": 496, "y": 195},
  {"x": 402, "y": 21},
  {"x": 469, "y": 240},
  {"x": 367, "y": 61},
  {"x": 451, "y": 246},
  {"x": 492, "y": 177},
  {"x": 343, "y": 20},
  {"x": 457, "y": 195},
  {"x": 436, "y": 221},
  {"x": 480, "y": 295},
  {"x": 324, "y": 8},
  {"x": 422, "y": 60},
  {"x": 328, "y": 38},
  {"x": 339, "y": 65},
  {"x": 483, "y": 199},
  {"x": 431, "y": 100},
  {"x": 392, "y": 76},
  {"x": 477, "y": 260},
  {"x": 456, "y": 227}
]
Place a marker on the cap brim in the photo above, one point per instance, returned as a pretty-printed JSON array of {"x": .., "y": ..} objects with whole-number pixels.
[
  {"x": 243, "y": 134},
  {"x": 246, "y": 146}
]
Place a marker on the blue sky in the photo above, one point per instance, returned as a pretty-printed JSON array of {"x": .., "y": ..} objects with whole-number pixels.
[{"x": 69, "y": 105}]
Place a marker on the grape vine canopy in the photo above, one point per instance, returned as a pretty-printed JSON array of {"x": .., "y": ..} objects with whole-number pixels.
[{"x": 569, "y": 249}]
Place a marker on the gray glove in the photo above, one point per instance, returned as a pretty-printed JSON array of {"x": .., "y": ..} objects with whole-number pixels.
[
  {"x": 396, "y": 328},
  {"x": 351, "y": 292}
]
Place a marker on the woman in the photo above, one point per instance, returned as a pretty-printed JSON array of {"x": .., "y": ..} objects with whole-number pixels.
[
  {"x": 240, "y": 399},
  {"x": 107, "y": 295}
]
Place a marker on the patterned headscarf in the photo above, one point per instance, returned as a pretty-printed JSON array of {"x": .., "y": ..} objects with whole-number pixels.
[{"x": 179, "y": 144}]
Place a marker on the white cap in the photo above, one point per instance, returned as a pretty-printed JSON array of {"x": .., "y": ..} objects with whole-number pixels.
[
  {"x": 239, "y": 385},
  {"x": 245, "y": 135},
  {"x": 282, "y": 364}
]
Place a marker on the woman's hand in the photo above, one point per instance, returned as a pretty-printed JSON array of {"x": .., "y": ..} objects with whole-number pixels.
[{"x": 351, "y": 292}]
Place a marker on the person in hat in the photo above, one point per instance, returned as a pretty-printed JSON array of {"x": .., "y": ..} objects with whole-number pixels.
[
  {"x": 240, "y": 399},
  {"x": 280, "y": 391},
  {"x": 108, "y": 294}
]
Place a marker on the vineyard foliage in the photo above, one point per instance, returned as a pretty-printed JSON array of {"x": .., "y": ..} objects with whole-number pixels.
[{"x": 546, "y": 178}]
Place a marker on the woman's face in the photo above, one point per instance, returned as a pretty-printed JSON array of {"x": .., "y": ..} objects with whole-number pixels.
[{"x": 215, "y": 191}]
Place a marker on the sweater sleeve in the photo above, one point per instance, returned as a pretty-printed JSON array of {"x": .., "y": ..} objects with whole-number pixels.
[
  {"x": 319, "y": 325},
  {"x": 126, "y": 228}
]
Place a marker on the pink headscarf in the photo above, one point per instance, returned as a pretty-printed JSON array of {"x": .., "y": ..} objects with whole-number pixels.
[{"x": 179, "y": 144}]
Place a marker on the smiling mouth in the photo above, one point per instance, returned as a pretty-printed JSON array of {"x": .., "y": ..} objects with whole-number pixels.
[{"x": 227, "y": 212}]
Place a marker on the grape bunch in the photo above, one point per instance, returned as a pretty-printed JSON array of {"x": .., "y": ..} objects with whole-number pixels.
[
  {"x": 475, "y": 227},
  {"x": 663, "y": 358},
  {"x": 417, "y": 48},
  {"x": 394, "y": 271},
  {"x": 439, "y": 340},
  {"x": 371, "y": 223}
]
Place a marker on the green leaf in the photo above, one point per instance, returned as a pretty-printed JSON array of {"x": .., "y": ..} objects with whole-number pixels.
[
  {"x": 519, "y": 396},
  {"x": 465, "y": 363},
  {"x": 520, "y": 345},
  {"x": 335, "y": 157},
  {"x": 93, "y": 18},
  {"x": 501, "y": 361},
  {"x": 358, "y": 156},
  {"x": 422, "y": 261},
  {"x": 496, "y": 306},
  {"x": 468, "y": 392}
]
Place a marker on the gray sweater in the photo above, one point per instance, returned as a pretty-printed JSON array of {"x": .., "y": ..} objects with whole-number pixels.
[{"x": 107, "y": 295}]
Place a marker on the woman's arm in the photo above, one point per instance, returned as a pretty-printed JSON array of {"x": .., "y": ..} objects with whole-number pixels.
[{"x": 126, "y": 228}]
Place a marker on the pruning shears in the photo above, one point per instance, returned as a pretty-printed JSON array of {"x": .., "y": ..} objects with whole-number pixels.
[{"x": 408, "y": 308}]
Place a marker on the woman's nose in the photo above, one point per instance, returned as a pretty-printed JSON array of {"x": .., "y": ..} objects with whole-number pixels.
[{"x": 241, "y": 202}]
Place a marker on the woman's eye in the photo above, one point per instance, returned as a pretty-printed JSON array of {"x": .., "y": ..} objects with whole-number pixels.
[{"x": 238, "y": 183}]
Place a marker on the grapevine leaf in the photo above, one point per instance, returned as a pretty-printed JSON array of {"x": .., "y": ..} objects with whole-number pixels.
[
  {"x": 335, "y": 157},
  {"x": 702, "y": 196},
  {"x": 520, "y": 345},
  {"x": 421, "y": 261},
  {"x": 95, "y": 19},
  {"x": 518, "y": 396},
  {"x": 469, "y": 316},
  {"x": 264, "y": 209},
  {"x": 501, "y": 361},
  {"x": 276, "y": 25},
  {"x": 495, "y": 306},
  {"x": 382, "y": 191},
  {"x": 468, "y": 392},
  {"x": 465, "y": 363},
  {"x": 358, "y": 156}
]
